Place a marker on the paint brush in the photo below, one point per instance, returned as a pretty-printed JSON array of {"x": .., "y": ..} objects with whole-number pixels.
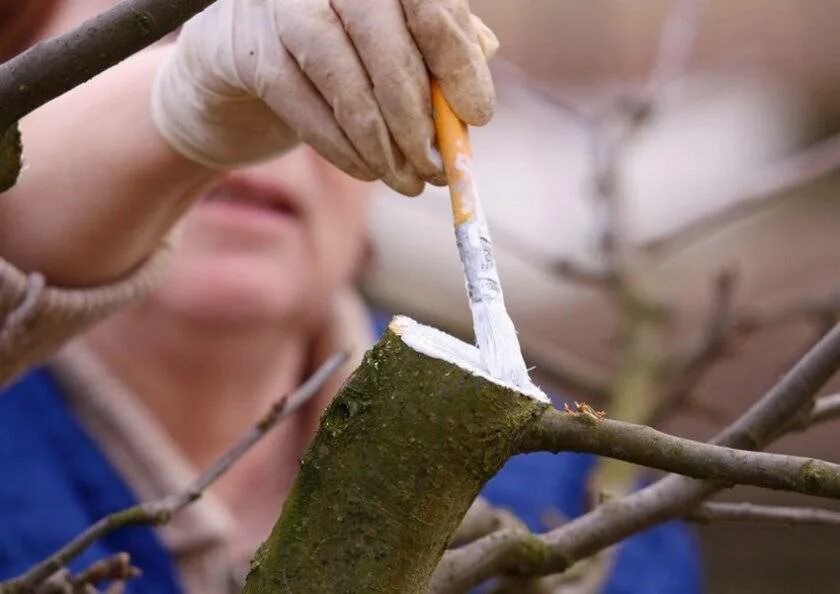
[{"x": 495, "y": 334}]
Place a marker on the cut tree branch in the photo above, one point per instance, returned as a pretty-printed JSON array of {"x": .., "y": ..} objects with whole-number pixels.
[
  {"x": 671, "y": 497},
  {"x": 402, "y": 452},
  {"x": 750, "y": 512},
  {"x": 159, "y": 512}
]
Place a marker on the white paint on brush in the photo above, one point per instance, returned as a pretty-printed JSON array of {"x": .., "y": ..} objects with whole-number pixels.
[
  {"x": 495, "y": 334},
  {"x": 439, "y": 345}
]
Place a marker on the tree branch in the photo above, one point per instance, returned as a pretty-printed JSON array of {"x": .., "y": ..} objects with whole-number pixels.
[
  {"x": 825, "y": 409},
  {"x": 671, "y": 497},
  {"x": 402, "y": 452},
  {"x": 116, "y": 569},
  {"x": 749, "y": 512},
  {"x": 578, "y": 432},
  {"x": 55, "y": 66},
  {"x": 159, "y": 512}
]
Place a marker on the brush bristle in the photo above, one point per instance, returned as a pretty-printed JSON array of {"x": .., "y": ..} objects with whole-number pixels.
[{"x": 496, "y": 339}]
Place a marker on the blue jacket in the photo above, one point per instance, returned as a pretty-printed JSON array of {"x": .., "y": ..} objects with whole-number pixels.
[{"x": 56, "y": 482}]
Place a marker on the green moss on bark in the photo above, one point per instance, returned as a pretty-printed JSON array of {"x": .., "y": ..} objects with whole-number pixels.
[
  {"x": 401, "y": 453},
  {"x": 11, "y": 150}
]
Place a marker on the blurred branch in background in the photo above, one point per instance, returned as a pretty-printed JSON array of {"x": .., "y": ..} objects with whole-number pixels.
[
  {"x": 825, "y": 409},
  {"x": 610, "y": 124},
  {"x": 749, "y": 512},
  {"x": 761, "y": 191}
]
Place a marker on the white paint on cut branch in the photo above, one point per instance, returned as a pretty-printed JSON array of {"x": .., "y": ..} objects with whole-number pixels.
[
  {"x": 495, "y": 333},
  {"x": 439, "y": 345}
]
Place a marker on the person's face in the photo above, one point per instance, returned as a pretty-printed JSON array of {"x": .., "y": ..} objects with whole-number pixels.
[{"x": 270, "y": 242}]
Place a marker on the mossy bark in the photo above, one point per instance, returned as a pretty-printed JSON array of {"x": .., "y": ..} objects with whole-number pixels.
[{"x": 401, "y": 453}]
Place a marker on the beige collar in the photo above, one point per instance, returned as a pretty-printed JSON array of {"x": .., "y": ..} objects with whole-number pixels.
[{"x": 139, "y": 447}]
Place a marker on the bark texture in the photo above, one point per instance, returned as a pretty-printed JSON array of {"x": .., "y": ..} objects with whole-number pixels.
[
  {"x": 53, "y": 67},
  {"x": 401, "y": 454}
]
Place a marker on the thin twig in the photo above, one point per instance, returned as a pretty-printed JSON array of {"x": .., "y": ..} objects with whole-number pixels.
[
  {"x": 159, "y": 512},
  {"x": 750, "y": 512},
  {"x": 116, "y": 569},
  {"x": 825, "y": 409},
  {"x": 53, "y": 67},
  {"x": 508, "y": 551},
  {"x": 558, "y": 431}
]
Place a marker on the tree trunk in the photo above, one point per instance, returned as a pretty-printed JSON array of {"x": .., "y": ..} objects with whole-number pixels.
[{"x": 401, "y": 453}]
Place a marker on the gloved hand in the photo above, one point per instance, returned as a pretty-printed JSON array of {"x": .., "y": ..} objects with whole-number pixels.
[{"x": 250, "y": 78}]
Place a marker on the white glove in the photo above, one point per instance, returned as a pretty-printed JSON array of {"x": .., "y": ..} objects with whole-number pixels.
[{"x": 249, "y": 78}]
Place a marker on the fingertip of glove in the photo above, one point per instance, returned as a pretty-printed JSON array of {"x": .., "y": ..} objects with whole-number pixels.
[
  {"x": 406, "y": 187},
  {"x": 487, "y": 40},
  {"x": 473, "y": 106}
]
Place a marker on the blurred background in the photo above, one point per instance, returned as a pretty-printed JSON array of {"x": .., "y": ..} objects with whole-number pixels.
[{"x": 759, "y": 88}]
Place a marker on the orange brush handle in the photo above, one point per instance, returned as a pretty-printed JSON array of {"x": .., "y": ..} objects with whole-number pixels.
[{"x": 454, "y": 145}]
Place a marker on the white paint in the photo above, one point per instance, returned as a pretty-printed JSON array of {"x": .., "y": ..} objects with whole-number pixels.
[
  {"x": 495, "y": 333},
  {"x": 439, "y": 345}
]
